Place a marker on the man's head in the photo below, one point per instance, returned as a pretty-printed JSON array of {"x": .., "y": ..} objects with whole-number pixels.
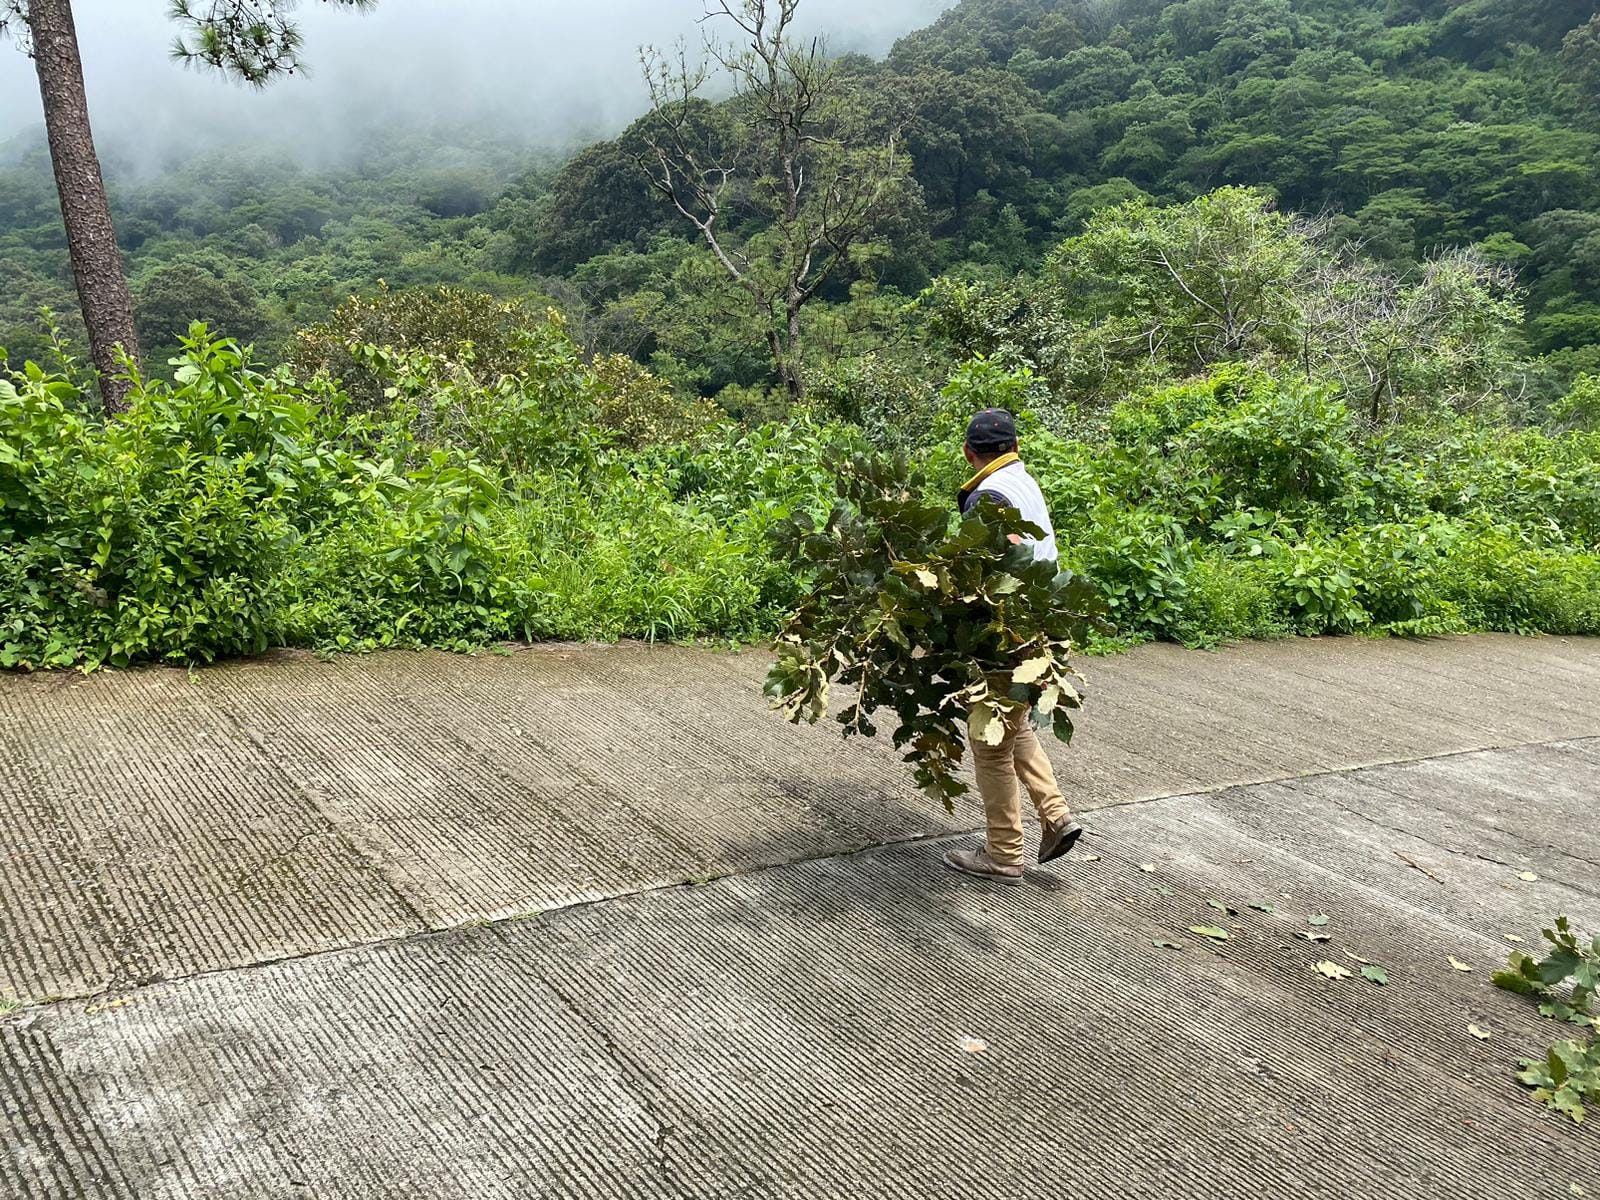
[{"x": 990, "y": 434}]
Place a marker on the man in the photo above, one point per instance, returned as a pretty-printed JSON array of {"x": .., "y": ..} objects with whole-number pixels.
[{"x": 1000, "y": 478}]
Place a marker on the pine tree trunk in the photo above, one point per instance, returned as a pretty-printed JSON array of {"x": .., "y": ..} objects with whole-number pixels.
[{"x": 91, "y": 241}]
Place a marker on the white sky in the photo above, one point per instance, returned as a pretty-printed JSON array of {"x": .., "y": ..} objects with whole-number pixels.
[{"x": 560, "y": 72}]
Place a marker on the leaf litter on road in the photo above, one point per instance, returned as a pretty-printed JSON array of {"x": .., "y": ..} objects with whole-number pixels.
[
  {"x": 1210, "y": 931},
  {"x": 1332, "y": 970}
]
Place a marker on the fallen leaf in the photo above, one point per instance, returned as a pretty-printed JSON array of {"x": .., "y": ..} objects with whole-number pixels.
[
  {"x": 118, "y": 1003},
  {"x": 1087, "y": 858},
  {"x": 1477, "y": 1031},
  {"x": 1459, "y": 965},
  {"x": 1576, "y": 1189},
  {"x": 1210, "y": 931},
  {"x": 1356, "y": 957},
  {"x": 1375, "y": 973},
  {"x": 1511, "y": 937},
  {"x": 1147, "y": 868},
  {"x": 1317, "y": 919},
  {"x": 1218, "y": 905},
  {"x": 1165, "y": 891},
  {"x": 1527, "y": 876},
  {"x": 974, "y": 1045},
  {"x": 1163, "y": 944},
  {"x": 1313, "y": 936},
  {"x": 1332, "y": 970},
  {"x": 1266, "y": 908}
]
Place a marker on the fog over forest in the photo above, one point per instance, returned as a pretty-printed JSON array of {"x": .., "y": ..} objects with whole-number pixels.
[{"x": 548, "y": 73}]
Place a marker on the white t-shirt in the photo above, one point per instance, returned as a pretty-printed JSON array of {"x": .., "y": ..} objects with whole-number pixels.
[{"x": 1012, "y": 485}]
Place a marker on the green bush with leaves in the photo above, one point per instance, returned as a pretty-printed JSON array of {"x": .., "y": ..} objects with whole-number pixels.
[
  {"x": 164, "y": 534},
  {"x": 941, "y": 627},
  {"x": 456, "y": 326},
  {"x": 235, "y": 510},
  {"x": 1280, "y": 446}
]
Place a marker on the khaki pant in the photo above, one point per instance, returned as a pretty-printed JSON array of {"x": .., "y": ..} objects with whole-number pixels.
[{"x": 1018, "y": 757}]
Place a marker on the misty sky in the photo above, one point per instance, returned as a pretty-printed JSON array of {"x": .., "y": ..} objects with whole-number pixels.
[{"x": 555, "y": 71}]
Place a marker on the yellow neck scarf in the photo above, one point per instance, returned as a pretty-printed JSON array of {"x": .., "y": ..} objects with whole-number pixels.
[{"x": 1005, "y": 460}]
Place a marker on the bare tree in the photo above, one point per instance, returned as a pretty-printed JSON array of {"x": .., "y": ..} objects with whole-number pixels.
[
  {"x": 793, "y": 183},
  {"x": 252, "y": 40},
  {"x": 1444, "y": 332}
]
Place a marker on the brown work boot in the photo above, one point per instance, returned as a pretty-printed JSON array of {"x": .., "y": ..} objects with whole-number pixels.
[
  {"x": 978, "y": 862},
  {"x": 1055, "y": 840}
]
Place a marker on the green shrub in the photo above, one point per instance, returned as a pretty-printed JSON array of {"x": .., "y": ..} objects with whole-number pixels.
[
  {"x": 163, "y": 534},
  {"x": 640, "y": 409},
  {"x": 459, "y": 328},
  {"x": 1580, "y": 407},
  {"x": 1318, "y": 590},
  {"x": 1284, "y": 447},
  {"x": 1155, "y": 417},
  {"x": 892, "y": 405},
  {"x": 1228, "y": 598},
  {"x": 1501, "y": 579},
  {"x": 1139, "y": 561}
]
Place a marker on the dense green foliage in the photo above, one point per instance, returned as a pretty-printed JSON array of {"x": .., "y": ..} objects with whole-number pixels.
[
  {"x": 233, "y": 510},
  {"x": 259, "y": 243},
  {"x": 1417, "y": 125}
]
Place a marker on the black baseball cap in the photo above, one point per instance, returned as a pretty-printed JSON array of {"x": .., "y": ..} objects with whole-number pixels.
[{"x": 992, "y": 429}]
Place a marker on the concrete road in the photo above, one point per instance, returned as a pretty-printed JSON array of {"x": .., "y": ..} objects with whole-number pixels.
[{"x": 418, "y": 925}]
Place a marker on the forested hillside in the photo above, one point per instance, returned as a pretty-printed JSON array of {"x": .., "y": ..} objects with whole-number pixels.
[
  {"x": 1296, "y": 302},
  {"x": 1417, "y": 125}
]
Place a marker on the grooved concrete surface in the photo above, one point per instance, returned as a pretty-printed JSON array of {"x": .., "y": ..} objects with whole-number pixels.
[{"x": 289, "y": 915}]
